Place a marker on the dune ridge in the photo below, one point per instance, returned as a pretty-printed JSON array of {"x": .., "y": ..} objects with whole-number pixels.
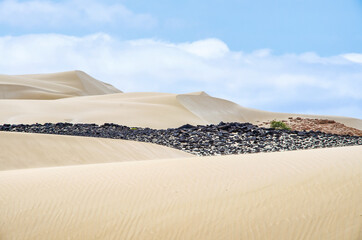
[
  {"x": 311, "y": 194},
  {"x": 67, "y": 187},
  {"x": 21, "y": 150},
  {"x": 76, "y": 97},
  {"x": 158, "y": 110},
  {"x": 52, "y": 86},
  {"x": 215, "y": 110}
]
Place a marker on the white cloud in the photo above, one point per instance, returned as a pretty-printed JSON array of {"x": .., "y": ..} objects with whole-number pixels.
[
  {"x": 262, "y": 53},
  {"x": 209, "y": 48},
  {"x": 290, "y": 83},
  {"x": 42, "y": 13},
  {"x": 353, "y": 57}
]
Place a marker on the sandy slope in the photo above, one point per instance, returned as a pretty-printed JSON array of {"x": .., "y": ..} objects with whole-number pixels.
[
  {"x": 50, "y": 188},
  {"x": 52, "y": 86},
  {"x": 312, "y": 194},
  {"x": 214, "y": 110},
  {"x": 156, "y": 110},
  {"x": 30, "y": 99},
  {"x": 22, "y": 150}
]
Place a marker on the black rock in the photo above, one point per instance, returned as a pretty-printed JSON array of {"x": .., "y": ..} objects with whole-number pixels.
[
  {"x": 200, "y": 140},
  {"x": 187, "y": 126}
]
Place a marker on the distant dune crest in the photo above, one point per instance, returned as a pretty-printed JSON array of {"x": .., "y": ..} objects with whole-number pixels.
[
  {"x": 73, "y": 187},
  {"x": 52, "y": 86},
  {"x": 83, "y": 99}
]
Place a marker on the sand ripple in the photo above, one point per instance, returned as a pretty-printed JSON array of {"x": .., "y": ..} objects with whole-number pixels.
[{"x": 312, "y": 194}]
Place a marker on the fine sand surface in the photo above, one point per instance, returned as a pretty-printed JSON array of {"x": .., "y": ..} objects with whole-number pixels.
[
  {"x": 52, "y": 86},
  {"x": 311, "y": 194},
  {"x": 67, "y": 187},
  {"x": 155, "y": 110},
  {"x": 24, "y": 150},
  {"x": 76, "y": 97}
]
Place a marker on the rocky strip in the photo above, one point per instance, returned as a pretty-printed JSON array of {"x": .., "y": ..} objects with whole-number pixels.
[
  {"x": 323, "y": 125},
  {"x": 221, "y": 139}
]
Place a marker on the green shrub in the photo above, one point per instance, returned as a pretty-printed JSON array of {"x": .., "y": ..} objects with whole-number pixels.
[
  {"x": 279, "y": 125},
  {"x": 134, "y": 128}
]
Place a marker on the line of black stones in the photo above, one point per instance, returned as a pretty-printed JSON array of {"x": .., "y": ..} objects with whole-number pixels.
[{"x": 220, "y": 139}]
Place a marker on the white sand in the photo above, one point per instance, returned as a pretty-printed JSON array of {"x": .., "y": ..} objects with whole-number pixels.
[
  {"x": 311, "y": 194},
  {"x": 24, "y": 150},
  {"x": 65, "y": 187},
  {"x": 52, "y": 86},
  {"x": 31, "y": 99},
  {"x": 155, "y": 110}
]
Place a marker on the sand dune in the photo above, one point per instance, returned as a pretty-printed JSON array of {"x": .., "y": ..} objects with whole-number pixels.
[
  {"x": 214, "y": 110},
  {"x": 65, "y": 187},
  {"x": 312, "y": 194},
  {"x": 155, "y": 110},
  {"x": 52, "y": 86},
  {"x": 22, "y": 150},
  {"x": 30, "y": 99}
]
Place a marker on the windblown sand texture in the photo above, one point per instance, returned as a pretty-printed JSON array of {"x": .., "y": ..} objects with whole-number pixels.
[
  {"x": 24, "y": 150},
  {"x": 107, "y": 104},
  {"x": 52, "y": 86},
  {"x": 66, "y": 187}
]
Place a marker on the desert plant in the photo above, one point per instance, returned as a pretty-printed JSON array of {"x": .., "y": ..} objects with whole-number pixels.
[
  {"x": 279, "y": 125},
  {"x": 134, "y": 128}
]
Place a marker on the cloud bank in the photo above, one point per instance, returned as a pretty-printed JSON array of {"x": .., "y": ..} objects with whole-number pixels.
[
  {"x": 302, "y": 83},
  {"x": 70, "y": 13}
]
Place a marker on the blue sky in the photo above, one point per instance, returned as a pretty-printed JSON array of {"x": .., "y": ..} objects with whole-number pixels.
[
  {"x": 288, "y": 56},
  {"x": 326, "y": 27},
  {"x": 329, "y": 27}
]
